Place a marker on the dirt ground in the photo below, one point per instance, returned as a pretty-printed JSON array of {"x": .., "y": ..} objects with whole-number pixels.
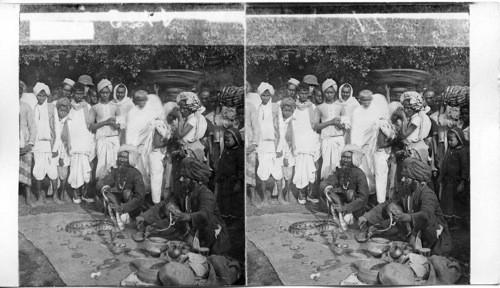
[
  {"x": 35, "y": 269},
  {"x": 261, "y": 272}
]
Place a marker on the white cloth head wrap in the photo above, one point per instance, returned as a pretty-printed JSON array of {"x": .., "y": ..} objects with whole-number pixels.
[
  {"x": 126, "y": 98},
  {"x": 265, "y": 86},
  {"x": 294, "y": 81},
  {"x": 133, "y": 154},
  {"x": 340, "y": 93},
  {"x": 193, "y": 103},
  {"x": 328, "y": 83},
  {"x": 39, "y": 87},
  {"x": 357, "y": 154},
  {"x": 104, "y": 83},
  {"x": 69, "y": 82},
  {"x": 416, "y": 100}
]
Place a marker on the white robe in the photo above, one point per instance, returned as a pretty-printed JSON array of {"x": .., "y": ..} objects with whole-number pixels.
[
  {"x": 307, "y": 146},
  {"x": 81, "y": 146},
  {"x": 141, "y": 126}
]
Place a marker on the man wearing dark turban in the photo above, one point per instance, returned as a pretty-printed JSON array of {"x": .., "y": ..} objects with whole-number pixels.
[
  {"x": 415, "y": 210},
  {"x": 193, "y": 209}
]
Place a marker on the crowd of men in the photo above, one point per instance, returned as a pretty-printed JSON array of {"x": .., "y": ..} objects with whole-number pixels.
[
  {"x": 179, "y": 156},
  {"x": 324, "y": 144}
]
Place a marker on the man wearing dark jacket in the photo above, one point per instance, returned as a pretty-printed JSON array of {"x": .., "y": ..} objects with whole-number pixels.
[
  {"x": 346, "y": 189},
  {"x": 123, "y": 188},
  {"x": 195, "y": 205},
  {"x": 417, "y": 210}
]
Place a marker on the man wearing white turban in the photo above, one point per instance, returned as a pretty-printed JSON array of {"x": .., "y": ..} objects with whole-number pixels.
[
  {"x": 147, "y": 130},
  {"x": 418, "y": 127},
  {"x": 192, "y": 124},
  {"x": 80, "y": 144},
  {"x": 291, "y": 88},
  {"x": 268, "y": 149},
  {"x": 103, "y": 124},
  {"x": 122, "y": 187},
  {"x": 328, "y": 121},
  {"x": 346, "y": 190},
  {"x": 47, "y": 141},
  {"x": 66, "y": 87}
]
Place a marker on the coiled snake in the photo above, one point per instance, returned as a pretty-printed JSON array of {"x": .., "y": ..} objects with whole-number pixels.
[
  {"x": 86, "y": 227},
  {"x": 306, "y": 228}
]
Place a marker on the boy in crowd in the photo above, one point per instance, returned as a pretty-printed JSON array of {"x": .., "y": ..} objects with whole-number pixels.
[
  {"x": 80, "y": 144},
  {"x": 268, "y": 147},
  {"x": 307, "y": 151},
  {"x": 63, "y": 106}
]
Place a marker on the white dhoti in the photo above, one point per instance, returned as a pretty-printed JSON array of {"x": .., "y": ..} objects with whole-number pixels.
[
  {"x": 269, "y": 165},
  {"x": 331, "y": 150},
  {"x": 381, "y": 169},
  {"x": 107, "y": 153},
  {"x": 156, "y": 173},
  {"x": 305, "y": 171},
  {"x": 45, "y": 164},
  {"x": 81, "y": 148},
  {"x": 79, "y": 170}
]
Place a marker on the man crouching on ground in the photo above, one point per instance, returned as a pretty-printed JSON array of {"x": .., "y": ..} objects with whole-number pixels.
[
  {"x": 346, "y": 189},
  {"x": 198, "y": 219},
  {"x": 415, "y": 211},
  {"x": 123, "y": 188}
]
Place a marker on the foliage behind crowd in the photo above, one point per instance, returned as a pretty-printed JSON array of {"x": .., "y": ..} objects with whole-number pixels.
[{"x": 221, "y": 65}]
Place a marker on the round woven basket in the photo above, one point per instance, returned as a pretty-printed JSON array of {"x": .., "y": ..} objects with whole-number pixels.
[
  {"x": 456, "y": 96},
  {"x": 396, "y": 274},
  {"x": 176, "y": 274},
  {"x": 369, "y": 269},
  {"x": 147, "y": 269},
  {"x": 175, "y": 77},
  {"x": 400, "y": 77}
]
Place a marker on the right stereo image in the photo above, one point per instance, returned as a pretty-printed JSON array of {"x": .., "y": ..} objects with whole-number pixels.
[{"x": 357, "y": 164}]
